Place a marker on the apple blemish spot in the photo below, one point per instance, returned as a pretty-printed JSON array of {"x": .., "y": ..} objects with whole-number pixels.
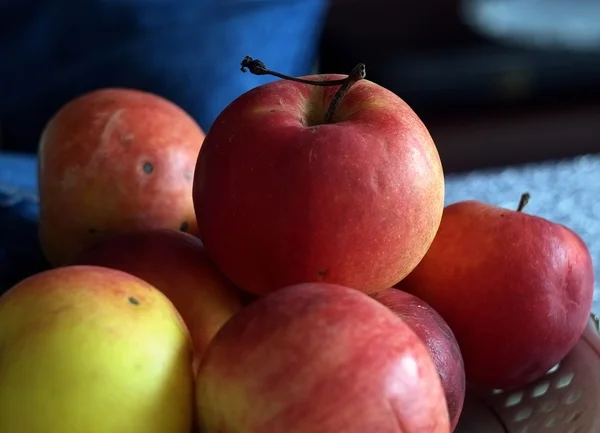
[{"x": 148, "y": 168}]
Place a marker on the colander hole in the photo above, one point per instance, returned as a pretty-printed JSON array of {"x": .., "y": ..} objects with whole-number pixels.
[
  {"x": 553, "y": 369},
  {"x": 540, "y": 389},
  {"x": 497, "y": 391},
  {"x": 573, "y": 397},
  {"x": 551, "y": 423},
  {"x": 548, "y": 406},
  {"x": 565, "y": 380},
  {"x": 523, "y": 414},
  {"x": 514, "y": 399}
]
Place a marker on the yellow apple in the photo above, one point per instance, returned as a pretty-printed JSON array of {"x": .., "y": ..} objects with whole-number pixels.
[
  {"x": 95, "y": 350},
  {"x": 176, "y": 264}
]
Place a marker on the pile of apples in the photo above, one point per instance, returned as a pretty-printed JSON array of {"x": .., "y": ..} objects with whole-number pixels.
[{"x": 293, "y": 271}]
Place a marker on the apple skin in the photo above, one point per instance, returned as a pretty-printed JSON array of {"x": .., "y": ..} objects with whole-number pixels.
[
  {"x": 282, "y": 198},
  {"x": 114, "y": 160},
  {"x": 318, "y": 358},
  {"x": 516, "y": 290},
  {"x": 433, "y": 330},
  {"x": 89, "y": 349},
  {"x": 176, "y": 264}
]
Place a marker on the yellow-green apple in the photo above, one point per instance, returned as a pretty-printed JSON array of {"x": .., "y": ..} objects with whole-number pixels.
[
  {"x": 318, "y": 358},
  {"x": 433, "y": 330},
  {"x": 114, "y": 160},
  {"x": 176, "y": 264},
  {"x": 283, "y": 196},
  {"x": 516, "y": 289},
  {"x": 96, "y": 350}
]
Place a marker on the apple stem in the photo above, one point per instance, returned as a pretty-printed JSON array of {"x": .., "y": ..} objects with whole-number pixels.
[
  {"x": 257, "y": 67},
  {"x": 523, "y": 202},
  {"x": 358, "y": 73}
]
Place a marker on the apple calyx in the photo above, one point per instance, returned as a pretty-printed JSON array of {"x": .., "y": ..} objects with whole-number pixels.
[
  {"x": 523, "y": 201},
  {"x": 257, "y": 67}
]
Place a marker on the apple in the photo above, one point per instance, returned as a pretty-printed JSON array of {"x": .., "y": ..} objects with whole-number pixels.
[
  {"x": 433, "y": 330},
  {"x": 318, "y": 358},
  {"x": 176, "y": 264},
  {"x": 91, "y": 349},
  {"x": 516, "y": 289},
  {"x": 283, "y": 196},
  {"x": 114, "y": 160}
]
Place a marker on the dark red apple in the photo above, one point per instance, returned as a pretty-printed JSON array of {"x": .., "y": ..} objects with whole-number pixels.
[
  {"x": 284, "y": 197},
  {"x": 433, "y": 330},
  {"x": 176, "y": 264},
  {"x": 516, "y": 290},
  {"x": 319, "y": 358},
  {"x": 114, "y": 160}
]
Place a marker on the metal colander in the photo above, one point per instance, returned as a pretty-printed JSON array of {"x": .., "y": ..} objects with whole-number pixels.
[{"x": 565, "y": 400}]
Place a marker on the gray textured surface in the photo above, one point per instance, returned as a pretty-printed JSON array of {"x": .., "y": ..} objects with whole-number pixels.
[{"x": 567, "y": 192}]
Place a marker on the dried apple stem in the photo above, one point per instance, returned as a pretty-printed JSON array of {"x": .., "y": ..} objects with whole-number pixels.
[
  {"x": 523, "y": 202},
  {"x": 359, "y": 72}
]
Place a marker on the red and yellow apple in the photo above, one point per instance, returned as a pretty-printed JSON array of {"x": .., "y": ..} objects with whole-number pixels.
[
  {"x": 320, "y": 358},
  {"x": 516, "y": 290},
  {"x": 114, "y": 160},
  {"x": 176, "y": 264},
  {"x": 433, "y": 330},
  {"x": 282, "y": 197},
  {"x": 91, "y": 349}
]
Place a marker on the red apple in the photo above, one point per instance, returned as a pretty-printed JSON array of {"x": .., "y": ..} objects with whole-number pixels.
[
  {"x": 320, "y": 358},
  {"x": 177, "y": 265},
  {"x": 431, "y": 328},
  {"x": 516, "y": 290},
  {"x": 114, "y": 160},
  {"x": 283, "y": 197}
]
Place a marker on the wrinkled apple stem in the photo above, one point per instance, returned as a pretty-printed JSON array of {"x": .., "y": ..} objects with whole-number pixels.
[
  {"x": 359, "y": 72},
  {"x": 257, "y": 67},
  {"x": 523, "y": 202}
]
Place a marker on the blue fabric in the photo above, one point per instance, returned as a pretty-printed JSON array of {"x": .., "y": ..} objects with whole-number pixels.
[
  {"x": 186, "y": 50},
  {"x": 20, "y": 254}
]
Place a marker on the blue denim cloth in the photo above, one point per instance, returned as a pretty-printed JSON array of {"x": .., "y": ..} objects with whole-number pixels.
[{"x": 186, "y": 50}]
